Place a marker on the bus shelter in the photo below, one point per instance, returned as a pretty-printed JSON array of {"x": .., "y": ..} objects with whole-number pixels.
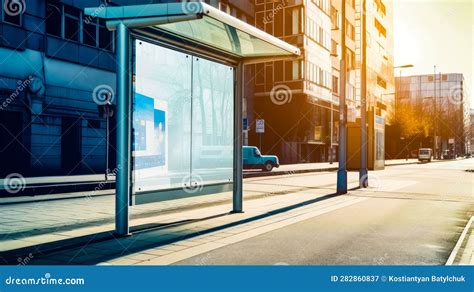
[{"x": 180, "y": 72}]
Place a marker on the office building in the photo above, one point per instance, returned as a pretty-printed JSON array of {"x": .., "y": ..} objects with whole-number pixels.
[
  {"x": 57, "y": 73},
  {"x": 443, "y": 101},
  {"x": 295, "y": 98}
]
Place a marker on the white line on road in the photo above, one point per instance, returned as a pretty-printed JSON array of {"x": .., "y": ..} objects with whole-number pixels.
[{"x": 458, "y": 245}]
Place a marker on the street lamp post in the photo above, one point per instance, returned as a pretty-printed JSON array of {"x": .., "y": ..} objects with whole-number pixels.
[
  {"x": 342, "y": 171},
  {"x": 435, "y": 124},
  {"x": 363, "y": 172}
]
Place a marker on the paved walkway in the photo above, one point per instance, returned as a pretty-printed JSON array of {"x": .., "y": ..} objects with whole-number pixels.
[
  {"x": 170, "y": 245},
  {"x": 287, "y": 169},
  {"x": 28, "y": 224},
  {"x": 204, "y": 223}
]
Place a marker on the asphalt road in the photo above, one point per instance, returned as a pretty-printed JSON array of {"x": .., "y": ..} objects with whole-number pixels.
[{"x": 414, "y": 216}]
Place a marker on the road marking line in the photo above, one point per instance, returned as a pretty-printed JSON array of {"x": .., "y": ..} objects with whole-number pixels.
[{"x": 458, "y": 245}]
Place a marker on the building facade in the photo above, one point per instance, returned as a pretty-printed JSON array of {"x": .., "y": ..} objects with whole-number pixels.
[
  {"x": 295, "y": 97},
  {"x": 57, "y": 71},
  {"x": 442, "y": 97},
  {"x": 380, "y": 63},
  {"x": 299, "y": 100}
]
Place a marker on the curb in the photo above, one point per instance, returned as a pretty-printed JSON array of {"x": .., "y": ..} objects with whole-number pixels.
[{"x": 460, "y": 243}]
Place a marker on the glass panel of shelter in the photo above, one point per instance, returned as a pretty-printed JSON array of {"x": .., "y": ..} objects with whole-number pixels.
[{"x": 182, "y": 120}]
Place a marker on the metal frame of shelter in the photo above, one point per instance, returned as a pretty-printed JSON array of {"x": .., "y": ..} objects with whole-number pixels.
[{"x": 237, "y": 44}]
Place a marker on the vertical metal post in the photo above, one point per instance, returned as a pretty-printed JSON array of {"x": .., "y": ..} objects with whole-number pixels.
[
  {"x": 342, "y": 172},
  {"x": 122, "y": 195},
  {"x": 331, "y": 128},
  {"x": 363, "y": 172},
  {"x": 238, "y": 158},
  {"x": 435, "y": 140}
]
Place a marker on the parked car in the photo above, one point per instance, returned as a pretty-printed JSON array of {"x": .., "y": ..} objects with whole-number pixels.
[
  {"x": 448, "y": 154},
  {"x": 425, "y": 154},
  {"x": 254, "y": 159}
]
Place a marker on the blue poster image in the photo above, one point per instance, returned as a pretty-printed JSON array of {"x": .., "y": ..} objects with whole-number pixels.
[{"x": 150, "y": 132}]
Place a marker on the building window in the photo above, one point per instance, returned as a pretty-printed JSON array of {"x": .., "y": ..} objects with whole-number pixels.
[
  {"x": 324, "y": 5},
  {"x": 105, "y": 36},
  {"x": 381, "y": 82},
  {"x": 380, "y": 7},
  {"x": 350, "y": 30},
  {"x": 334, "y": 46},
  {"x": 68, "y": 22},
  {"x": 71, "y": 23},
  {"x": 351, "y": 60},
  {"x": 335, "y": 18},
  {"x": 296, "y": 21},
  {"x": 13, "y": 17},
  {"x": 296, "y": 70},
  {"x": 53, "y": 19},
  {"x": 89, "y": 32},
  {"x": 335, "y": 84},
  {"x": 380, "y": 28}
]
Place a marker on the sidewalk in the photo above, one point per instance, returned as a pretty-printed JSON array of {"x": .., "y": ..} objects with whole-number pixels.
[
  {"x": 57, "y": 181},
  {"x": 52, "y": 222},
  {"x": 164, "y": 246},
  {"x": 29, "y": 224}
]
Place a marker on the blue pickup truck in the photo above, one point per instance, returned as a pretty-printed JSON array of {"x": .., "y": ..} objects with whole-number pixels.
[{"x": 254, "y": 159}]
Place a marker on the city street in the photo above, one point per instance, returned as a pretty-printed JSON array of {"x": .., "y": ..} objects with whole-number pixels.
[
  {"x": 411, "y": 214},
  {"x": 413, "y": 217}
]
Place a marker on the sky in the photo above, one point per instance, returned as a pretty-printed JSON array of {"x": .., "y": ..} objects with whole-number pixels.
[{"x": 435, "y": 32}]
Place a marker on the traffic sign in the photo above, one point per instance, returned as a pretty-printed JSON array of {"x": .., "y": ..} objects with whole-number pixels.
[{"x": 260, "y": 126}]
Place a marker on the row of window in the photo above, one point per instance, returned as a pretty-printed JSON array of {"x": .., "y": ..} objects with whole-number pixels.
[
  {"x": 318, "y": 34},
  {"x": 278, "y": 71},
  {"x": 324, "y": 5},
  {"x": 280, "y": 20},
  {"x": 69, "y": 23},
  {"x": 380, "y": 7},
  {"x": 380, "y": 28},
  {"x": 336, "y": 21},
  {"x": 318, "y": 75}
]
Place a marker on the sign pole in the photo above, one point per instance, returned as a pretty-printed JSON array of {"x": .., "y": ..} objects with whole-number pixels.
[{"x": 363, "y": 172}]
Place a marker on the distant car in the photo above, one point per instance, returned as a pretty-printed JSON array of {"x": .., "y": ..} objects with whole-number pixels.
[
  {"x": 448, "y": 154},
  {"x": 254, "y": 159},
  {"x": 425, "y": 154}
]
